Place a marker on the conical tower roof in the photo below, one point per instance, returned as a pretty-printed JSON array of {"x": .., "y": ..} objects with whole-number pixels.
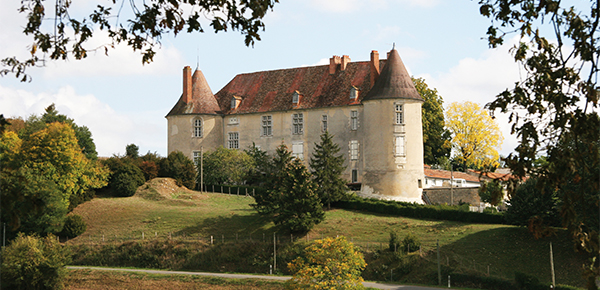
[
  {"x": 393, "y": 82},
  {"x": 203, "y": 101},
  {"x": 202, "y": 96}
]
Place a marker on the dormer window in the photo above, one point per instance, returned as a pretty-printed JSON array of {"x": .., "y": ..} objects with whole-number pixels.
[
  {"x": 296, "y": 98},
  {"x": 354, "y": 93},
  {"x": 235, "y": 102}
]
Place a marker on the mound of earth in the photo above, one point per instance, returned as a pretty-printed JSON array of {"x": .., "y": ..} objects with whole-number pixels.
[{"x": 162, "y": 188}]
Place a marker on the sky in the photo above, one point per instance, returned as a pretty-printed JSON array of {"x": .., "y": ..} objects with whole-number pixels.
[{"x": 122, "y": 101}]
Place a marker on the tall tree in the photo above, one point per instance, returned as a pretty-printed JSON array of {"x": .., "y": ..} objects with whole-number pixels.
[
  {"x": 132, "y": 151},
  {"x": 299, "y": 206},
  {"x": 263, "y": 166},
  {"x": 51, "y": 115},
  {"x": 436, "y": 138},
  {"x": 327, "y": 168},
  {"x": 59, "y": 33},
  {"x": 475, "y": 135},
  {"x": 268, "y": 202},
  {"x": 39, "y": 176},
  {"x": 554, "y": 107},
  {"x": 180, "y": 168}
]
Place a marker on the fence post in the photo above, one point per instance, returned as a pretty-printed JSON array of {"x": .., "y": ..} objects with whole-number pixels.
[
  {"x": 223, "y": 239},
  {"x": 438, "y": 262},
  {"x": 211, "y": 240}
]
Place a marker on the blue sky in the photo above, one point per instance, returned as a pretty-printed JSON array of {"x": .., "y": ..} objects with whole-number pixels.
[{"x": 123, "y": 102}]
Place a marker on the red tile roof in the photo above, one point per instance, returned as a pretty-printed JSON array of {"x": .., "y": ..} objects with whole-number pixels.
[
  {"x": 444, "y": 174},
  {"x": 268, "y": 91}
]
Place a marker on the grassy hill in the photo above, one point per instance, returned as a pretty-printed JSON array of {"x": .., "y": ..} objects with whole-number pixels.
[{"x": 191, "y": 218}]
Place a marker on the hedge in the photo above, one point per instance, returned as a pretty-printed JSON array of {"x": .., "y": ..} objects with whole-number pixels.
[{"x": 413, "y": 210}]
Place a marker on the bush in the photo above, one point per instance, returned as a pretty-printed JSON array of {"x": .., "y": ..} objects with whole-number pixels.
[
  {"x": 394, "y": 242},
  {"x": 74, "y": 226},
  {"x": 328, "y": 264},
  {"x": 411, "y": 243},
  {"x": 30, "y": 262},
  {"x": 180, "y": 168},
  {"x": 126, "y": 179},
  {"x": 531, "y": 201}
]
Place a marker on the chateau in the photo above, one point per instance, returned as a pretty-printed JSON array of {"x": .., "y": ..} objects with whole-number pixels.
[{"x": 371, "y": 108}]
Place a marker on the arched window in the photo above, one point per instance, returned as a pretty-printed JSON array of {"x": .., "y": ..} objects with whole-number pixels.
[{"x": 197, "y": 128}]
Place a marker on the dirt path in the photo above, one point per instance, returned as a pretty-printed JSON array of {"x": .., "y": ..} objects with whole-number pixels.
[{"x": 246, "y": 276}]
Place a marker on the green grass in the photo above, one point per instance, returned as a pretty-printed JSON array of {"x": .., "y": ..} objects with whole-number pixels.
[{"x": 467, "y": 248}]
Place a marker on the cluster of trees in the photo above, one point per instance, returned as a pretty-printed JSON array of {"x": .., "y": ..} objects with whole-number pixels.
[
  {"x": 49, "y": 166},
  {"x": 294, "y": 197},
  {"x": 128, "y": 172}
]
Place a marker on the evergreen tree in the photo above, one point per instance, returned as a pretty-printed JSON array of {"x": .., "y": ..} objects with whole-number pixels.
[
  {"x": 268, "y": 202},
  {"x": 327, "y": 168},
  {"x": 299, "y": 207}
]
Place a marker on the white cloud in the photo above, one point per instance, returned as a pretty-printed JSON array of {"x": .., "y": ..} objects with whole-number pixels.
[
  {"x": 120, "y": 61},
  {"x": 111, "y": 131},
  {"x": 480, "y": 80}
]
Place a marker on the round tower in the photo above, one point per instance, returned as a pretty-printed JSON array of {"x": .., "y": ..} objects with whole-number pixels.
[{"x": 393, "y": 135}]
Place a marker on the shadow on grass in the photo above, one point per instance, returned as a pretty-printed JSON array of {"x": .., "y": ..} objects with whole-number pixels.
[
  {"x": 508, "y": 250},
  {"x": 235, "y": 227}
]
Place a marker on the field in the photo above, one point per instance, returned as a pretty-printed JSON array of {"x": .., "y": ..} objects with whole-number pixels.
[{"x": 194, "y": 217}]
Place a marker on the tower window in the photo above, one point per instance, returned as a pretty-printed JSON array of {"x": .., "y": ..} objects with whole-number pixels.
[
  {"x": 399, "y": 114},
  {"x": 197, "y": 128},
  {"x": 400, "y": 146},
  {"x": 324, "y": 123},
  {"x": 354, "y": 150}
]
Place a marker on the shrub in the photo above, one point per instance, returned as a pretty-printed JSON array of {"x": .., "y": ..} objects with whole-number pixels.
[
  {"x": 30, "y": 262},
  {"x": 180, "y": 168},
  {"x": 328, "y": 264},
  {"x": 394, "y": 241},
  {"x": 411, "y": 243},
  {"x": 126, "y": 179},
  {"x": 74, "y": 226},
  {"x": 532, "y": 201},
  {"x": 150, "y": 169}
]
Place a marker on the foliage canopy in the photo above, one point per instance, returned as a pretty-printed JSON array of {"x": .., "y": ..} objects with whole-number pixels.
[
  {"x": 475, "y": 135},
  {"x": 60, "y": 31},
  {"x": 553, "y": 109},
  {"x": 436, "y": 138}
]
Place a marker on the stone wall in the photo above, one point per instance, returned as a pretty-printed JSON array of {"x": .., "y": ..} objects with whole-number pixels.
[{"x": 442, "y": 195}]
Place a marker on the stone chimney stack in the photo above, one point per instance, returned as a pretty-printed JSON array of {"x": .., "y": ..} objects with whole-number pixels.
[
  {"x": 345, "y": 61},
  {"x": 187, "y": 84},
  {"x": 374, "y": 66},
  {"x": 333, "y": 64}
]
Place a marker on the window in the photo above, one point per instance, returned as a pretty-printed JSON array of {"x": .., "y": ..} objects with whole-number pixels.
[
  {"x": 267, "y": 126},
  {"x": 354, "y": 175},
  {"x": 353, "y": 120},
  {"x": 298, "y": 150},
  {"x": 400, "y": 151},
  {"x": 399, "y": 114},
  {"x": 324, "y": 123},
  {"x": 198, "y": 128},
  {"x": 234, "y": 140},
  {"x": 296, "y": 98},
  {"x": 353, "y": 93},
  {"x": 297, "y": 124},
  {"x": 420, "y": 183},
  {"x": 196, "y": 157},
  {"x": 234, "y": 120},
  {"x": 233, "y": 103},
  {"x": 353, "y": 150}
]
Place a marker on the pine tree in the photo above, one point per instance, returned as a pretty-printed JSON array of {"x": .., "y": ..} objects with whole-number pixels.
[
  {"x": 267, "y": 202},
  {"x": 299, "y": 206},
  {"x": 327, "y": 168}
]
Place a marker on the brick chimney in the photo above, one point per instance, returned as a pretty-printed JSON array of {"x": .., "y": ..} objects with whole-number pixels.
[
  {"x": 333, "y": 64},
  {"x": 345, "y": 61},
  {"x": 374, "y": 66},
  {"x": 187, "y": 84}
]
